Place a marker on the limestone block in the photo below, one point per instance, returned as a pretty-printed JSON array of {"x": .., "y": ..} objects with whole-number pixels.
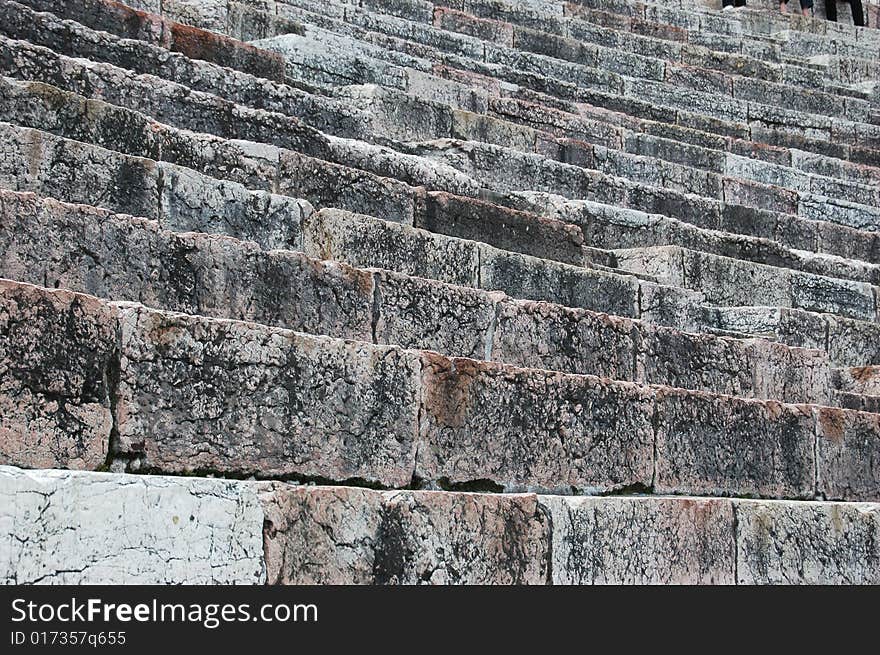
[
  {"x": 339, "y": 535},
  {"x": 64, "y": 527},
  {"x": 640, "y": 540},
  {"x": 367, "y": 242},
  {"x": 848, "y": 453},
  {"x": 521, "y": 429},
  {"x": 718, "y": 445},
  {"x": 57, "y": 353},
  {"x": 205, "y": 395},
  {"x": 807, "y": 543},
  {"x": 427, "y": 315},
  {"x": 542, "y": 335}
]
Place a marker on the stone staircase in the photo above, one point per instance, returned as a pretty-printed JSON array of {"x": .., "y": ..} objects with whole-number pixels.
[{"x": 465, "y": 291}]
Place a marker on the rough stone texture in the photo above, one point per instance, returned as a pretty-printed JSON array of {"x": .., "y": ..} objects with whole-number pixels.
[
  {"x": 807, "y": 543},
  {"x": 121, "y": 258},
  {"x": 718, "y": 445},
  {"x": 63, "y": 527},
  {"x": 487, "y": 424},
  {"x": 57, "y": 351},
  {"x": 337, "y": 535},
  {"x": 564, "y": 339},
  {"x": 530, "y": 278},
  {"x": 848, "y": 452},
  {"x": 367, "y": 242},
  {"x": 638, "y": 540},
  {"x": 237, "y": 398},
  {"x": 416, "y": 313}
]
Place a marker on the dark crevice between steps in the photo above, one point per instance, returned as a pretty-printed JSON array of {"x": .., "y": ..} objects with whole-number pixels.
[
  {"x": 112, "y": 374},
  {"x": 376, "y": 307},
  {"x": 472, "y": 486},
  {"x": 735, "y": 529},
  {"x": 635, "y": 489}
]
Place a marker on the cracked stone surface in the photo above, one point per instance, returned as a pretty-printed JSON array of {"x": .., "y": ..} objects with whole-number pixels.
[
  {"x": 336, "y": 535},
  {"x": 807, "y": 543},
  {"x": 56, "y": 351},
  {"x": 532, "y": 430},
  {"x": 638, "y": 540},
  {"x": 719, "y": 445},
  {"x": 63, "y": 527},
  {"x": 198, "y": 394}
]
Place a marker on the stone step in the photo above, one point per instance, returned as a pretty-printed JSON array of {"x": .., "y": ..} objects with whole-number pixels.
[
  {"x": 608, "y": 227},
  {"x": 126, "y": 259},
  {"x": 314, "y": 111},
  {"x": 744, "y": 22},
  {"x": 772, "y": 125},
  {"x": 175, "y": 393},
  {"x": 851, "y": 137},
  {"x": 120, "y": 19},
  {"x": 729, "y": 282},
  {"x": 608, "y": 49},
  {"x": 618, "y": 163},
  {"x": 293, "y": 534},
  {"x": 753, "y": 100}
]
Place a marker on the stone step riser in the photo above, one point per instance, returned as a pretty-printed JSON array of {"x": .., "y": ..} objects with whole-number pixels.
[
  {"x": 132, "y": 260},
  {"x": 286, "y": 534},
  {"x": 731, "y": 282},
  {"x": 290, "y": 404}
]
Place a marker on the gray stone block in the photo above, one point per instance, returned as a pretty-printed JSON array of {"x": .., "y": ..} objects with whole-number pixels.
[
  {"x": 58, "y": 354},
  {"x": 807, "y": 543},
  {"x": 234, "y": 398}
]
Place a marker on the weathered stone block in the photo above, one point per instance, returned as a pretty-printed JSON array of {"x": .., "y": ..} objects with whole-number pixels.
[
  {"x": 543, "y": 335},
  {"x": 205, "y": 395},
  {"x": 519, "y": 429},
  {"x": 641, "y": 540},
  {"x": 367, "y": 242},
  {"x": 57, "y": 357},
  {"x": 338, "y": 535},
  {"x": 718, "y": 445},
  {"x": 428, "y": 315},
  {"x": 530, "y": 278},
  {"x": 807, "y": 543},
  {"x": 848, "y": 453}
]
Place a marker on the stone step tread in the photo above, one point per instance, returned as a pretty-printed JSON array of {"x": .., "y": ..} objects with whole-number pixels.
[{"x": 299, "y": 534}]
